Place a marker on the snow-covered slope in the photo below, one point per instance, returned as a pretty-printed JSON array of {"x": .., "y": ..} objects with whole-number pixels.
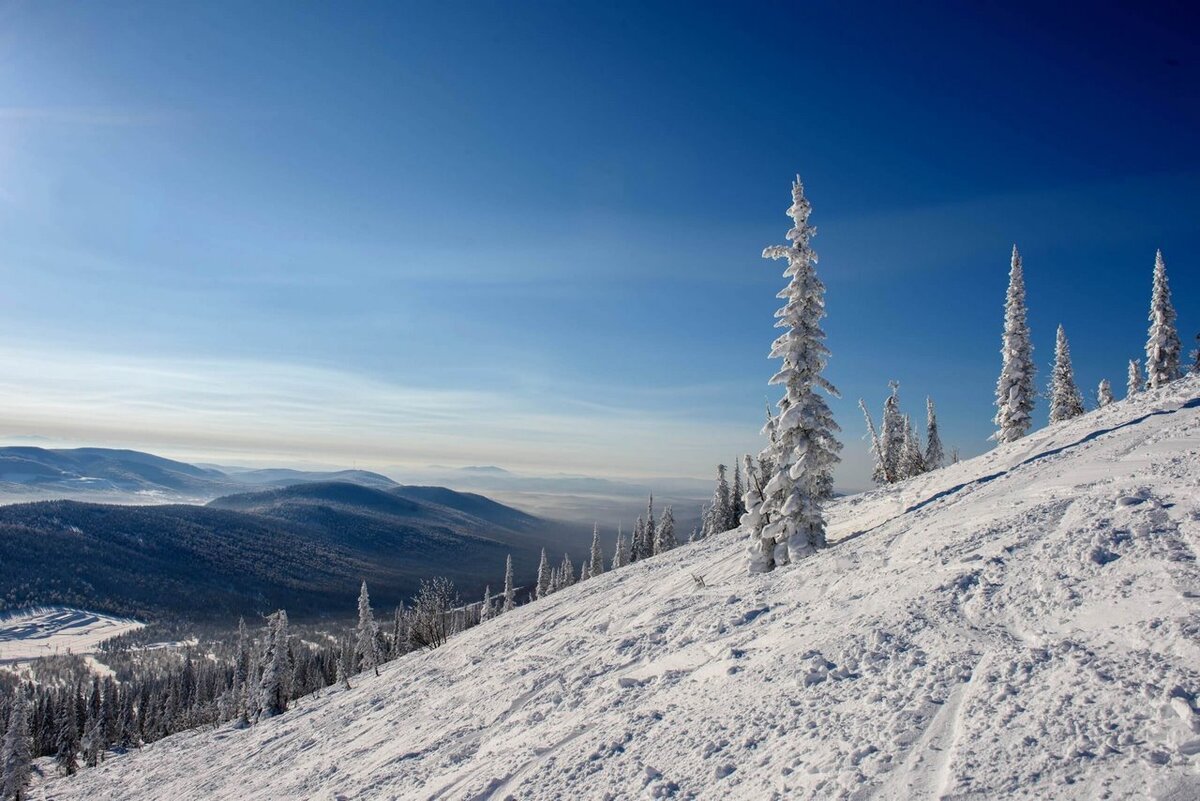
[
  {"x": 1023, "y": 625},
  {"x": 47, "y": 631}
]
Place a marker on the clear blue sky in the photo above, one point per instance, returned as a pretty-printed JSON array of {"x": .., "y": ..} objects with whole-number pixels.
[{"x": 528, "y": 234}]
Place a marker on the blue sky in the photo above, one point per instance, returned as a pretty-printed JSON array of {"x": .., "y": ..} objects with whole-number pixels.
[{"x": 402, "y": 234}]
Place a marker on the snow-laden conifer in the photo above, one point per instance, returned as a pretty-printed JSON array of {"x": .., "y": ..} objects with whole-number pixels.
[
  {"x": 638, "y": 548},
  {"x": 665, "y": 537},
  {"x": 737, "y": 503},
  {"x": 620, "y": 550},
  {"x": 912, "y": 463},
  {"x": 485, "y": 608},
  {"x": 934, "y": 454},
  {"x": 1065, "y": 400},
  {"x": 67, "y": 740},
  {"x": 752, "y": 498},
  {"x": 1133, "y": 379},
  {"x": 1163, "y": 348},
  {"x": 241, "y": 673},
  {"x": 273, "y": 696},
  {"x": 585, "y": 570},
  {"x": 1015, "y": 389},
  {"x": 596, "y": 556},
  {"x": 543, "y": 577},
  {"x": 722, "y": 511},
  {"x": 650, "y": 532},
  {"x": 1196, "y": 357},
  {"x": 792, "y": 520},
  {"x": 878, "y": 473},
  {"x": 892, "y": 436},
  {"x": 510, "y": 601},
  {"x": 566, "y": 571},
  {"x": 16, "y": 756},
  {"x": 1104, "y": 393},
  {"x": 368, "y": 634}
]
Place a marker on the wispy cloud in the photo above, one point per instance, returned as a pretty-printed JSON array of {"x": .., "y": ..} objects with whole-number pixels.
[{"x": 288, "y": 413}]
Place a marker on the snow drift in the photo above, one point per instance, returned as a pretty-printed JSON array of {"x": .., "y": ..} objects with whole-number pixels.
[{"x": 1025, "y": 624}]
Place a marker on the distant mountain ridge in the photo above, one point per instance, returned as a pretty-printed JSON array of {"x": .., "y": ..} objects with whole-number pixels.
[
  {"x": 304, "y": 547},
  {"x": 33, "y": 473}
]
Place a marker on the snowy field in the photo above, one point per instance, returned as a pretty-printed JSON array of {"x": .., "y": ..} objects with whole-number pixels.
[
  {"x": 32, "y": 633},
  {"x": 1022, "y": 625}
]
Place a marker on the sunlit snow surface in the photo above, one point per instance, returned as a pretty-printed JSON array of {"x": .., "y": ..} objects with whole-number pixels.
[
  {"x": 1023, "y": 625},
  {"x": 50, "y": 631}
]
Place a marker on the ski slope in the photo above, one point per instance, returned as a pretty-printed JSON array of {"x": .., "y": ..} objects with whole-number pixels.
[
  {"x": 49, "y": 631},
  {"x": 1022, "y": 625}
]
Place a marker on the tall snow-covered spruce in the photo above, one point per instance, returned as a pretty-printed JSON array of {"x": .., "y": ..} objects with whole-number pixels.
[
  {"x": 790, "y": 521},
  {"x": 367, "y": 646},
  {"x": 934, "y": 454},
  {"x": 1104, "y": 394},
  {"x": 1163, "y": 348},
  {"x": 1015, "y": 390},
  {"x": 1065, "y": 400},
  {"x": 1133, "y": 379}
]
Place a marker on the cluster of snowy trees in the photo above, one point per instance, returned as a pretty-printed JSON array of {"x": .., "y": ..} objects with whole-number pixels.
[
  {"x": 728, "y": 504},
  {"x": 1016, "y": 390},
  {"x": 895, "y": 444},
  {"x": 649, "y": 539}
]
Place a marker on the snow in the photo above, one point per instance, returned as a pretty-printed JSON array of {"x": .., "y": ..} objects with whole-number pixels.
[
  {"x": 32, "y": 633},
  {"x": 1022, "y": 625}
]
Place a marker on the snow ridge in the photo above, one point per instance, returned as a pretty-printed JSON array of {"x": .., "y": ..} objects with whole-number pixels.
[{"x": 1022, "y": 625}]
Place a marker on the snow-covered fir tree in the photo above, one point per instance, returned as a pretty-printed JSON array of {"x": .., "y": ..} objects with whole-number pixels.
[
  {"x": 934, "y": 454},
  {"x": 1196, "y": 357},
  {"x": 566, "y": 571},
  {"x": 665, "y": 536},
  {"x": 345, "y": 664},
  {"x": 737, "y": 503},
  {"x": 16, "y": 756},
  {"x": 892, "y": 436},
  {"x": 649, "y": 533},
  {"x": 1015, "y": 389},
  {"x": 485, "y": 608},
  {"x": 1065, "y": 400},
  {"x": 722, "y": 512},
  {"x": 878, "y": 474},
  {"x": 620, "y": 550},
  {"x": 912, "y": 462},
  {"x": 368, "y": 634},
  {"x": 638, "y": 548},
  {"x": 543, "y": 577},
  {"x": 790, "y": 523},
  {"x": 1163, "y": 348},
  {"x": 241, "y": 672},
  {"x": 67, "y": 742},
  {"x": 1133, "y": 379},
  {"x": 596, "y": 556},
  {"x": 510, "y": 600},
  {"x": 1104, "y": 393},
  {"x": 273, "y": 695}
]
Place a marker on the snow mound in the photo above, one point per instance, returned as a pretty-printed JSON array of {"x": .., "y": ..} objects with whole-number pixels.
[{"x": 1022, "y": 625}]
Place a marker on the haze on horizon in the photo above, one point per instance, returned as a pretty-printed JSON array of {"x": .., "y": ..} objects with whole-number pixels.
[{"x": 450, "y": 234}]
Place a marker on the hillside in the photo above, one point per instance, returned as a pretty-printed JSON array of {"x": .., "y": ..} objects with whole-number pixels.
[
  {"x": 1022, "y": 625},
  {"x": 125, "y": 476},
  {"x": 304, "y": 548}
]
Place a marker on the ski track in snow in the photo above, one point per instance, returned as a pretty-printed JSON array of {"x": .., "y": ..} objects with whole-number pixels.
[{"x": 1022, "y": 625}]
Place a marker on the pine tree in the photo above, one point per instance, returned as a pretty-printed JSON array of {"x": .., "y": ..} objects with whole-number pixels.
[
  {"x": 892, "y": 436},
  {"x": 510, "y": 602},
  {"x": 1133, "y": 382},
  {"x": 912, "y": 463},
  {"x": 585, "y": 570},
  {"x": 16, "y": 756},
  {"x": 367, "y": 648},
  {"x": 567, "y": 571},
  {"x": 596, "y": 562},
  {"x": 620, "y": 550},
  {"x": 934, "y": 455},
  {"x": 721, "y": 510},
  {"x": 1015, "y": 388},
  {"x": 543, "y": 578},
  {"x": 649, "y": 533},
  {"x": 737, "y": 496},
  {"x": 1163, "y": 348},
  {"x": 67, "y": 741},
  {"x": 273, "y": 690},
  {"x": 485, "y": 609},
  {"x": 1065, "y": 400},
  {"x": 241, "y": 672},
  {"x": 1104, "y": 395},
  {"x": 345, "y": 664},
  {"x": 752, "y": 500},
  {"x": 878, "y": 474},
  {"x": 638, "y": 549},
  {"x": 1196, "y": 357},
  {"x": 792, "y": 521},
  {"x": 665, "y": 540}
]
